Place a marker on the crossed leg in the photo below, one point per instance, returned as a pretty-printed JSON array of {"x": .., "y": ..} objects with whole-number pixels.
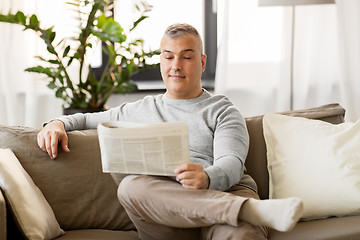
[
  {"x": 244, "y": 230},
  {"x": 162, "y": 209}
]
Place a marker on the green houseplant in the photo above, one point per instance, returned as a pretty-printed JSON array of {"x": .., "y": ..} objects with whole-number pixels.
[{"x": 125, "y": 56}]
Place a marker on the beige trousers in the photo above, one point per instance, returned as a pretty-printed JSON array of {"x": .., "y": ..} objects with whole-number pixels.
[{"x": 162, "y": 209}]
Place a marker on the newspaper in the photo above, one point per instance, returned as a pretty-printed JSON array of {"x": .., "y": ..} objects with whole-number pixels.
[{"x": 135, "y": 148}]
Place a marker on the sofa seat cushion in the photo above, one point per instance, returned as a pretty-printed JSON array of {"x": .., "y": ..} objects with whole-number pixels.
[
  {"x": 99, "y": 234},
  {"x": 343, "y": 228}
]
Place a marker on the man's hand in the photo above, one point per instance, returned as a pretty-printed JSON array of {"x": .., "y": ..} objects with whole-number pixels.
[
  {"x": 192, "y": 176},
  {"x": 50, "y": 136}
]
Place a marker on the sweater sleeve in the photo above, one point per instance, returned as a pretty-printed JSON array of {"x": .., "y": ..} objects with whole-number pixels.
[
  {"x": 81, "y": 121},
  {"x": 231, "y": 143},
  {"x": 134, "y": 111}
]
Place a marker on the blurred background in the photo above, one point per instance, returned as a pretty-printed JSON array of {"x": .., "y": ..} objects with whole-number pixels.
[{"x": 265, "y": 55}]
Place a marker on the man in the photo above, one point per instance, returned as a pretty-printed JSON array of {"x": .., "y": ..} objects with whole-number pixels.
[{"x": 211, "y": 197}]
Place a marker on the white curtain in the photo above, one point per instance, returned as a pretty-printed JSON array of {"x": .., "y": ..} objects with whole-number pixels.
[
  {"x": 254, "y": 59},
  {"x": 348, "y": 12},
  {"x": 24, "y": 98}
]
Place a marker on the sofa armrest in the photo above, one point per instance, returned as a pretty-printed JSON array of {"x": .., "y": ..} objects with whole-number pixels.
[{"x": 2, "y": 217}]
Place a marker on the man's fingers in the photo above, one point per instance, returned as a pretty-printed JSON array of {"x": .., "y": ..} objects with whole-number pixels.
[
  {"x": 189, "y": 179},
  {"x": 48, "y": 146},
  {"x": 186, "y": 184},
  {"x": 189, "y": 166},
  {"x": 50, "y": 136},
  {"x": 191, "y": 183},
  {"x": 64, "y": 144},
  {"x": 183, "y": 175},
  {"x": 54, "y": 145},
  {"x": 41, "y": 142},
  {"x": 192, "y": 175}
]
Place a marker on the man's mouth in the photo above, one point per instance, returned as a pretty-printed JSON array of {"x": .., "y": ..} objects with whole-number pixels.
[{"x": 176, "y": 76}]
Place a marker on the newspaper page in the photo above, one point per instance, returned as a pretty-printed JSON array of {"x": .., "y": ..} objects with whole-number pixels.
[{"x": 135, "y": 148}]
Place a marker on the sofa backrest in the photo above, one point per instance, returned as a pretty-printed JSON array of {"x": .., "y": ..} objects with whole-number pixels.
[
  {"x": 256, "y": 161},
  {"x": 80, "y": 195}
]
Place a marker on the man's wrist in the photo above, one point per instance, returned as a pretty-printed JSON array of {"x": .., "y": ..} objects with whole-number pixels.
[
  {"x": 54, "y": 120},
  {"x": 207, "y": 180}
]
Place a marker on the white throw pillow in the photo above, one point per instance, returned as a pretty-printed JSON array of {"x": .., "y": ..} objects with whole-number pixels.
[
  {"x": 316, "y": 161},
  {"x": 32, "y": 211}
]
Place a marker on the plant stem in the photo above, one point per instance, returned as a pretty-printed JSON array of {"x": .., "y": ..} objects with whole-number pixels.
[
  {"x": 85, "y": 35},
  {"x": 46, "y": 38}
]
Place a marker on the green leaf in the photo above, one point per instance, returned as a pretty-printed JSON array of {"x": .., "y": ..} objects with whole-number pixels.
[
  {"x": 70, "y": 61},
  {"x": 34, "y": 20},
  {"x": 51, "y": 49},
  {"x": 21, "y": 18},
  {"x": 52, "y": 61},
  {"x": 76, "y": 55},
  {"x": 59, "y": 92},
  {"x": 112, "y": 27},
  {"x": 10, "y": 18},
  {"x": 60, "y": 78},
  {"x": 49, "y": 34},
  {"x": 101, "y": 21},
  {"x": 3, "y": 18},
  {"x": 74, "y": 4},
  {"x": 66, "y": 51},
  {"x": 52, "y": 36},
  {"x": 138, "y": 21},
  {"x": 41, "y": 58},
  {"x": 40, "y": 69},
  {"x": 61, "y": 41},
  {"x": 110, "y": 30},
  {"x": 52, "y": 85}
]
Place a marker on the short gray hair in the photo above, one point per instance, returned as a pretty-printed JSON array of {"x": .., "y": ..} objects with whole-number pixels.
[{"x": 178, "y": 30}]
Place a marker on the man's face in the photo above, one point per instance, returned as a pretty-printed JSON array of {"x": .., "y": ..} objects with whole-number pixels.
[{"x": 182, "y": 64}]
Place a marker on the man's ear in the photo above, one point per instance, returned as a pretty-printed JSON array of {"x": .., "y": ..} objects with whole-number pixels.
[{"x": 203, "y": 61}]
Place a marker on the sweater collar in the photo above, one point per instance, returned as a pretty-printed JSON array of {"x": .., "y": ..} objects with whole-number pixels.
[{"x": 203, "y": 96}]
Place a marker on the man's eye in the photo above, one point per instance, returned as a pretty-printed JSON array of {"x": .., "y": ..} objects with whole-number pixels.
[
  {"x": 168, "y": 57},
  {"x": 187, "y": 57}
]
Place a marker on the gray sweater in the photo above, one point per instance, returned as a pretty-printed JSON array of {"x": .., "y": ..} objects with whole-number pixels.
[{"x": 218, "y": 136}]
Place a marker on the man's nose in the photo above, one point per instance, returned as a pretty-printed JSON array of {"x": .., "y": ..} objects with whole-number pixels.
[{"x": 176, "y": 65}]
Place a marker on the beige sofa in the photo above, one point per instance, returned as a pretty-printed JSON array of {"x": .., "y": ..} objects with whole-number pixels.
[{"x": 84, "y": 199}]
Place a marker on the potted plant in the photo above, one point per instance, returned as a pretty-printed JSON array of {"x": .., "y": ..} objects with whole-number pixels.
[{"x": 125, "y": 56}]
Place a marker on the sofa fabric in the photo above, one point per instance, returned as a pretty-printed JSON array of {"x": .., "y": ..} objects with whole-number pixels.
[
  {"x": 99, "y": 234},
  {"x": 81, "y": 196},
  {"x": 336, "y": 228},
  {"x": 33, "y": 213},
  {"x": 84, "y": 199}
]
